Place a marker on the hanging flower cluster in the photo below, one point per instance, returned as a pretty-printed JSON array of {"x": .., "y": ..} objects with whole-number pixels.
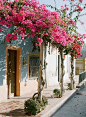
[
  {"x": 75, "y": 46},
  {"x": 76, "y": 49},
  {"x": 71, "y": 22},
  {"x": 10, "y": 36},
  {"x": 35, "y": 20}
]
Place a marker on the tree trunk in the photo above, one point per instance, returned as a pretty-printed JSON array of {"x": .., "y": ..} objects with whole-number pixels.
[
  {"x": 40, "y": 80},
  {"x": 72, "y": 72},
  {"x": 62, "y": 71},
  {"x": 45, "y": 63}
]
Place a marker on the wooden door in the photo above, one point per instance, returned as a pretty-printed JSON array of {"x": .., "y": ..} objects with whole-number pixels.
[{"x": 11, "y": 73}]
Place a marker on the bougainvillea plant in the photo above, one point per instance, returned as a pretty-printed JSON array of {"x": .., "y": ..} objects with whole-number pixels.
[
  {"x": 32, "y": 19},
  {"x": 75, "y": 47},
  {"x": 29, "y": 18},
  {"x": 70, "y": 14}
]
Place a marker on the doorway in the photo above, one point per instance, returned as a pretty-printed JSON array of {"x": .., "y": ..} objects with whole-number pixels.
[{"x": 11, "y": 72}]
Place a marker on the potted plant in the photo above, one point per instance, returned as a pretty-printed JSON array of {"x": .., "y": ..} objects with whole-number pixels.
[{"x": 57, "y": 93}]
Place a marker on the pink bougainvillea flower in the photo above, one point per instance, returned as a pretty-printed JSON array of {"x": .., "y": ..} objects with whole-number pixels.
[
  {"x": 78, "y": 8},
  {"x": 32, "y": 35},
  {"x": 38, "y": 44},
  {"x": 1, "y": 29},
  {"x": 39, "y": 40},
  {"x": 81, "y": 1},
  {"x": 7, "y": 39},
  {"x": 22, "y": 36},
  {"x": 82, "y": 23},
  {"x": 29, "y": 35},
  {"x": 37, "y": 21},
  {"x": 71, "y": 22},
  {"x": 14, "y": 37},
  {"x": 16, "y": 0}
]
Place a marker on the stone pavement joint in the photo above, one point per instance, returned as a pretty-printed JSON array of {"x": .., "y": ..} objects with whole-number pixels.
[{"x": 14, "y": 107}]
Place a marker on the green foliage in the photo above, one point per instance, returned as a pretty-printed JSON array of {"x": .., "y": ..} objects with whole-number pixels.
[
  {"x": 34, "y": 46},
  {"x": 45, "y": 100},
  {"x": 52, "y": 7},
  {"x": 69, "y": 86},
  {"x": 32, "y": 107},
  {"x": 57, "y": 92}
]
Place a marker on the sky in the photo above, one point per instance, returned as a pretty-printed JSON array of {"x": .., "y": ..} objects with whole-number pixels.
[{"x": 59, "y": 3}]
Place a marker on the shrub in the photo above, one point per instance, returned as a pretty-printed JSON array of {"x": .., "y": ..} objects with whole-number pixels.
[
  {"x": 33, "y": 106},
  {"x": 69, "y": 86},
  {"x": 57, "y": 92},
  {"x": 40, "y": 102},
  {"x": 45, "y": 100}
]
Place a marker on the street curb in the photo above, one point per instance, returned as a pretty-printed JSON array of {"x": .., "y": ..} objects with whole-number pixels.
[{"x": 60, "y": 104}]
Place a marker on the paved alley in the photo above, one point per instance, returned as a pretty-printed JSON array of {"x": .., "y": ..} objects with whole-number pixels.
[
  {"x": 75, "y": 107},
  {"x": 14, "y": 107}
]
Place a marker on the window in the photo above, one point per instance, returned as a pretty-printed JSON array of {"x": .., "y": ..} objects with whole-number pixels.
[{"x": 33, "y": 65}]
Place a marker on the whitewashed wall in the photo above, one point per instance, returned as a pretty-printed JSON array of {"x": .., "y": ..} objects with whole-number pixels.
[{"x": 52, "y": 68}]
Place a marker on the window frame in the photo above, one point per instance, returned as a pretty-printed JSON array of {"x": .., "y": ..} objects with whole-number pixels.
[{"x": 31, "y": 54}]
